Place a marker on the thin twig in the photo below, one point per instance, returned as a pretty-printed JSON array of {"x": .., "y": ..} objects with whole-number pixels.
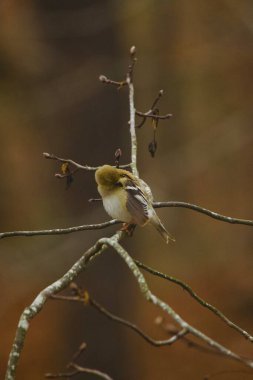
[
  {"x": 60, "y": 231},
  {"x": 160, "y": 94},
  {"x": 176, "y": 334},
  {"x": 200, "y": 300},
  {"x": 225, "y": 372},
  {"x": 157, "y": 343},
  {"x": 62, "y": 375},
  {"x": 76, "y": 355},
  {"x": 51, "y": 156},
  {"x": 171, "y": 329},
  {"x": 78, "y": 369},
  {"x": 132, "y": 326},
  {"x": 118, "y": 84},
  {"x": 94, "y": 372},
  {"x": 152, "y": 115},
  {"x": 212, "y": 214}
]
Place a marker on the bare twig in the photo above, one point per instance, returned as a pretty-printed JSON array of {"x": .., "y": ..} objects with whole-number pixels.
[
  {"x": 150, "y": 114},
  {"x": 62, "y": 375},
  {"x": 171, "y": 330},
  {"x": 60, "y": 231},
  {"x": 76, "y": 355},
  {"x": 225, "y": 372},
  {"x": 168, "y": 328},
  {"x": 160, "y": 94},
  {"x": 51, "y": 156},
  {"x": 78, "y": 166},
  {"x": 197, "y": 298},
  {"x": 106, "y": 80},
  {"x": 212, "y": 214},
  {"x": 129, "y": 81},
  {"x": 153, "y": 112},
  {"x": 132, "y": 326},
  {"x": 157, "y": 343},
  {"x": 77, "y": 370}
]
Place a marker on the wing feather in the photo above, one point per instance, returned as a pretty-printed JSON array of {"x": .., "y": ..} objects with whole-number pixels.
[{"x": 136, "y": 204}]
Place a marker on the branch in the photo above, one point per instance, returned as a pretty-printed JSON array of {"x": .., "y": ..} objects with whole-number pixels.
[
  {"x": 157, "y": 343},
  {"x": 200, "y": 300},
  {"x": 149, "y": 296},
  {"x": 225, "y": 372},
  {"x": 77, "y": 370},
  {"x": 31, "y": 311},
  {"x": 205, "y": 211},
  {"x": 50, "y": 156},
  {"x": 153, "y": 113},
  {"x": 60, "y": 231},
  {"x": 129, "y": 81},
  {"x": 85, "y": 298}
]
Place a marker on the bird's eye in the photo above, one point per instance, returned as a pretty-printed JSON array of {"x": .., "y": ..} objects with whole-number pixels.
[{"x": 119, "y": 184}]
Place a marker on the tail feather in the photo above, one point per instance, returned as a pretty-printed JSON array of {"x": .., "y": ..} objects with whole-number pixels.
[{"x": 155, "y": 221}]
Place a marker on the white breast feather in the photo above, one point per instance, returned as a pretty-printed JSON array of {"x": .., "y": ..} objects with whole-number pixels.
[{"x": 114, "y": 208}]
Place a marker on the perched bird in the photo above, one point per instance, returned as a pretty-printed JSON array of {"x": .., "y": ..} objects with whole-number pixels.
[{"x": 128, "y": 198}]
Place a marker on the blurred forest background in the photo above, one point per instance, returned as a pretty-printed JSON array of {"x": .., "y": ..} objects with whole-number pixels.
[{"x": 201, "y": 54}]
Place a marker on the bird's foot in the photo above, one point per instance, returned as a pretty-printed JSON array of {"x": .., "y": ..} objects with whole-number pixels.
[{"x": 128, "y": 228}]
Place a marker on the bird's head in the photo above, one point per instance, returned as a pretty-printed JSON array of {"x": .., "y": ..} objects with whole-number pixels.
[{"x": 110, "y": 177}]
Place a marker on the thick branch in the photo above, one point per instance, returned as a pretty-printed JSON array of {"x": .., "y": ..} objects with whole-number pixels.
[
  {"x": 129, "y": 81},
  {"x": 166, "y": 308},
  {"x": 31, "y": 311}
]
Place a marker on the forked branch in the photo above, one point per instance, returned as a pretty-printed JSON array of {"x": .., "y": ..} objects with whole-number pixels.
[{"x": 102, "y": 244}]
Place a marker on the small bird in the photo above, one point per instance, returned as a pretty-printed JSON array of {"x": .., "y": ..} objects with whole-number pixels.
[{"x": 128, "y": 198}]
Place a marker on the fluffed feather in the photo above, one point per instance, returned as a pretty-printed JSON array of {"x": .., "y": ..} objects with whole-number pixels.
[{"x": 128, "y": 198}]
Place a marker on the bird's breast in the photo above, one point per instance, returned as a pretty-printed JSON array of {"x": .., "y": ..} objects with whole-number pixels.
[{"x": 114, "y": 206}]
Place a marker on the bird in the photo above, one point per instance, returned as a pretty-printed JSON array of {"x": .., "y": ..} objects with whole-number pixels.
[{"x": 128, "y": 198}]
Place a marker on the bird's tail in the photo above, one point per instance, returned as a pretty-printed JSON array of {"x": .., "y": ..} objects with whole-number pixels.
[{"x": 155, "y": 221}]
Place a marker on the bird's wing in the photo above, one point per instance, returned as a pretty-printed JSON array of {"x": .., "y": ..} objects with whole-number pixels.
[{"x": 136, "y": 204}]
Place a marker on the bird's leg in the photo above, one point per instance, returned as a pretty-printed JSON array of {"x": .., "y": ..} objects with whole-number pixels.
[{"x": 128, "y": 228}]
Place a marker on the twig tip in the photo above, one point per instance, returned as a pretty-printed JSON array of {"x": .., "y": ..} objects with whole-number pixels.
[
  {"x": 103, "y": 78},
  {"x": 133, "y": 50}
]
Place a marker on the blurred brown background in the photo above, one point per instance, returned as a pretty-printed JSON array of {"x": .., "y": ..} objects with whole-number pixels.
[{"x": 201, "y": 54}]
